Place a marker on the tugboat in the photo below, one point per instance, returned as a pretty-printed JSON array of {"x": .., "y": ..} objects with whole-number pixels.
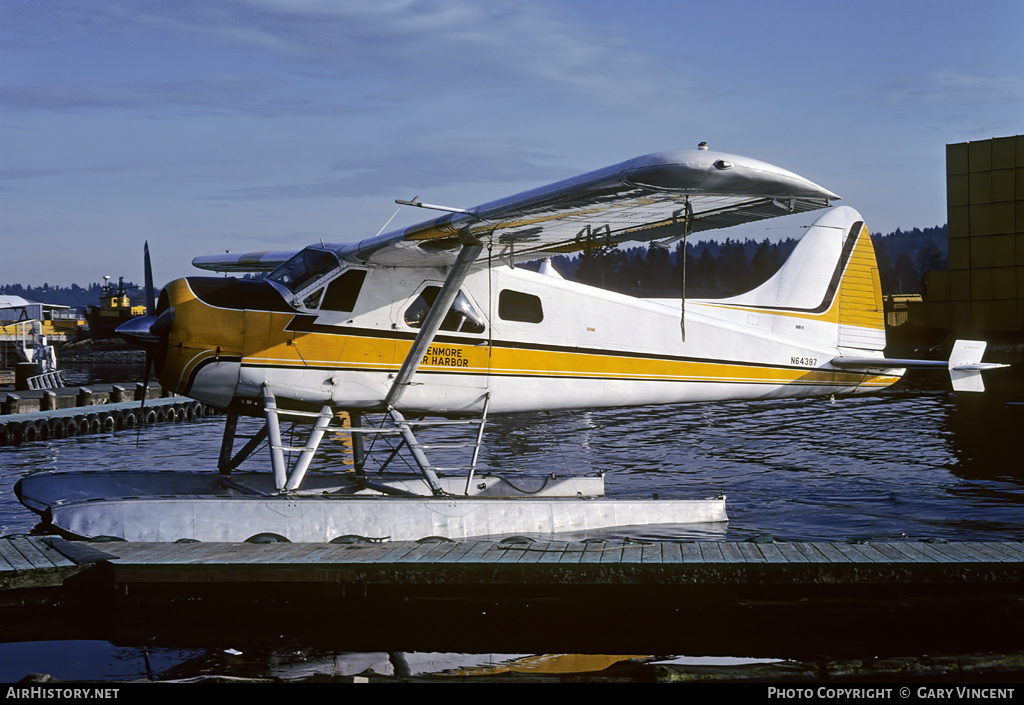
[{"x": 114, "y": 309}]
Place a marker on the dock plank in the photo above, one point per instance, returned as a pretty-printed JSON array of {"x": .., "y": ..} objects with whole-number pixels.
[
  {"x": 750, "y": 553},
  {"x": 889, "y": 552},
  {"x": 691, "y": 552},
  {"x": 711, "y": 552},
  {"x": 551, "y": 552},
  {"x": 298, "y": 553},
  {"x": 671, "y": 553},
  {"x": 632, "y": 553},
  {"x": 957, "y": 554},
  {"x": 15, "y": 560},
  {"x": 651, "y": 553},
  {"x": 612, "y": 553},
  {"x": 593, "y": 551},
  {"x": 40, "y": 554},
  {"x": 433, "y": 552},
  {"x": 458, "y": 552},
  {"x": 928, "y": 549},
  {"x": 731, "y": 552},
  {"x": 770, "y": 552},
  {"x": 573, "y": 553},
  {"x": 532, "y": 553},
  {"x": 868, "y": 553},
  {"x": 911, "y": 551},
  {"x": 992, "y": 551},
  {"x": 850, "y": 551},
  {"x": 830, "y": 552},
  {"x": 1013, "y": 548},
  {"x": 791, "y": 553},
  {"x": 811, "y": 553},
  {"x": 476, "y": 549}
]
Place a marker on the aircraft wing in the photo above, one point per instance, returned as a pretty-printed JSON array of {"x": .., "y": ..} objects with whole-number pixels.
[
  {"x": 244, "y": 261},
  {"x": 654, "y": 197}
]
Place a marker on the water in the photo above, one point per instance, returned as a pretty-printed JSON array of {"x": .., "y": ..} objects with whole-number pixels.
[{"x": 916, "y": 462}]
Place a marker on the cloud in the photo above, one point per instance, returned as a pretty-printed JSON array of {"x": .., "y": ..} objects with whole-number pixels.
[
  {"x": 418, "y": 169},
  {"x": 258, "y": 47},
  {"x": 952, "y": 88}
]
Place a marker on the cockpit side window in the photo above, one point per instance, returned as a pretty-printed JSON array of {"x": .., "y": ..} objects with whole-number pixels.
[
  {"x": 461, "y": 318},
  {"x": 304, "y": 269},
  {"x": 343, "y": 291}
]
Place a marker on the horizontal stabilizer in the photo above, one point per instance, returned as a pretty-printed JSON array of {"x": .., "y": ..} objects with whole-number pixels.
[{"x": 964, "y": 365}]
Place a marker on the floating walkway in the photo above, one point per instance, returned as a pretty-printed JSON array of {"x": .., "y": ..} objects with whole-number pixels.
[
  {"x": 28, "y": 426},
  {"x": 792, "y": 600}
]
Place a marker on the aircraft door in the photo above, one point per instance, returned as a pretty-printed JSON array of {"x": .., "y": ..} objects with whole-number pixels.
[{"x": 454, "y": 370}]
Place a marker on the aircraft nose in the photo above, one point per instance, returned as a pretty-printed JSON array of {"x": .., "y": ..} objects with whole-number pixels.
[{"x": 148, "y": 332}]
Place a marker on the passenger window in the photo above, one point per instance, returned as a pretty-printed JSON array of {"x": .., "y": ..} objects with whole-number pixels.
[
  {"x": 303, "y": 269},
  {"x": 517, "y": 306},
  {"x": 343, "y": 291},
  {"x": 461, "y": 318}
]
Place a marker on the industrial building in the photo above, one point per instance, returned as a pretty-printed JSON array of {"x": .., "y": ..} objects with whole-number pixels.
[{"x": 981, "y": 294}]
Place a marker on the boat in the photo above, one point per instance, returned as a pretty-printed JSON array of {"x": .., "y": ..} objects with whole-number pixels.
[{"x": 115, "y": 309}]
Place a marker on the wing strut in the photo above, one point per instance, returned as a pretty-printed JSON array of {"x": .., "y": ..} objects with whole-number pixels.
[
  {"x": 471, "y": 249},
  {"x": 432, "y": 323}
]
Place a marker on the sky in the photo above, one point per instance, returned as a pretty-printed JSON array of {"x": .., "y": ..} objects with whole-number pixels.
[{"x": 244, "y": 125}]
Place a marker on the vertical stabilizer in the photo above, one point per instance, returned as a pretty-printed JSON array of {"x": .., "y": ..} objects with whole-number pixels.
[
  {"x": 861, "y": 314},
  {"x": 830, "y": 280}
]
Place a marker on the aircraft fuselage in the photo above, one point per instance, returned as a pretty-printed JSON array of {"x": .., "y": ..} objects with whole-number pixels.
[{"x": 530, "y": 340}]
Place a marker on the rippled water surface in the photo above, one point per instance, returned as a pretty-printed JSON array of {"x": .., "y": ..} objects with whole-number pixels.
[{"x": 918, "y": 463}]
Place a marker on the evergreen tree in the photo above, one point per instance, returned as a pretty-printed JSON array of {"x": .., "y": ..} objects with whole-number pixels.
[
  {"x": 765, "y": 261},
  {"x": 908, "y": 279},
  {"x": 929, "y": 258}
]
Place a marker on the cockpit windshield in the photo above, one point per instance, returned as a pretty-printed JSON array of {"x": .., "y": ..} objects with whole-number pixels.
[{"x": 303, "y": 269}]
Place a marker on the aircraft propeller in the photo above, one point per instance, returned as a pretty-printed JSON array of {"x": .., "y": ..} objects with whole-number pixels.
[{"x": 149, "y": 332}]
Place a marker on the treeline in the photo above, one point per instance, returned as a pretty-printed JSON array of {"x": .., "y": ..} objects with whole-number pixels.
[
  {"x": 74, "y": 296},
  {"x": 715, "y": 269}
]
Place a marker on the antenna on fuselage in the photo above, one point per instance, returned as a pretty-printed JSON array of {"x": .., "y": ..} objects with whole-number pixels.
[{"x": 397, "y": 211}]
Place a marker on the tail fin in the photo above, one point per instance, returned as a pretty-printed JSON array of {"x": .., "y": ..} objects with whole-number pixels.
[{"x": 830, "y": 278}]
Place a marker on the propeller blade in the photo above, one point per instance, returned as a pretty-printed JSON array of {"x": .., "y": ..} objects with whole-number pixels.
[
  {"x": 148, "y": 332},
  {"x": 150, "y": 298}
]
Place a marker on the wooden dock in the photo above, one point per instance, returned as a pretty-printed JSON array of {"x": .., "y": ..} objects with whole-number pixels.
[
  {"x": 728, "y": 598},
  {"x": 27, "y": 426}
]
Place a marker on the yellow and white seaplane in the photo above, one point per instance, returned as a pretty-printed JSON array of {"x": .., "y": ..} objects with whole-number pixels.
[{"x": 436, "y": 324}]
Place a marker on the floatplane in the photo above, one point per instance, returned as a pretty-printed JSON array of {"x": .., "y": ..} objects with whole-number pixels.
[{"x": 437, "y": 324}]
